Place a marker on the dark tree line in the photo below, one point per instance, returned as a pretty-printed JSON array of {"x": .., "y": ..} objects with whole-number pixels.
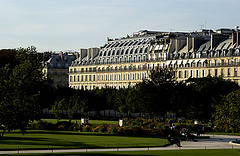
[
  {"x": 24, "y": 92},
  {"x": 195, "y": 98}
]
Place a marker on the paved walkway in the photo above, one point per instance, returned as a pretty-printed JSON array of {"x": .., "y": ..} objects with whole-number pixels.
[{"x": 214, "y": 142}]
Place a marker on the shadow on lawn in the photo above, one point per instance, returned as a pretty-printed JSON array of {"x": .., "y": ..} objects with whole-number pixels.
[
  {"x": 77, "y": 154},
  {"x": 87, "y": 133},
  {"x": 40, "y": 143},
  {"x": 32, "y": 142}
]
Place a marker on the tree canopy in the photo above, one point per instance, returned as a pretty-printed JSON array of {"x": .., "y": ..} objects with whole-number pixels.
[
  {"x": 227, "y": 113},
  {"x": 20, "y": 90}
]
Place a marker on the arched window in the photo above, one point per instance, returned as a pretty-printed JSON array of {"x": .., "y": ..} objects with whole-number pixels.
[
  {"x": 122, "y": 51},
  {"x": 118, "y": 52},
  {"x": 131, "y": 51},
  {"x": 145, "y": 51},
  {"x": 136, "y": 51},
  {"x": 105, "y": 53},
  {"x": 113, "y": 52},
  {"x": 126, "y": 52}
]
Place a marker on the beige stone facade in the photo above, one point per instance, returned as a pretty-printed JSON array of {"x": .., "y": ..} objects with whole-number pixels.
[
  {"x": 126, "y": 61},
  {"x": 56, "y": 68}
]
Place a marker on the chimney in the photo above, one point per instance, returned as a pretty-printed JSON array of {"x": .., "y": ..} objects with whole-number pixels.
[
  {"x": 234, "y": 38},
  {"x": 61, "y": 55},
  {"x": 193, "y": 43},
  {"x": 76, "y": 55},
  {"x": 238, "y": 39},
  {"x": 95, "y": 52},
  {"x": 83, "y": 53},
  {"x": 189, "y": 44},
  {"x": 89, "y": 52}
]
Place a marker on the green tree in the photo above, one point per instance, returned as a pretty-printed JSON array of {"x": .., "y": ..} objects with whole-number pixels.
[
  {"x": 205, "y": 93},
  {"x": 227, "y": 113},
  {"x": 162, "y": 76},
  {"x": 58, "y": 109},
  {"x": 120, "y": 100},
  {"x": 20, "y": 90},
  {"x": 155, "y": 93}
]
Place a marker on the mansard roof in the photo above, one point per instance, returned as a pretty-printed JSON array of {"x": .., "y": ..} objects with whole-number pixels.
[{"x": 60, "y": 61}]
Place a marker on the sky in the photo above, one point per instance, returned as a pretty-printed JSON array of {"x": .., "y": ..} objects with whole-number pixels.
[{"x": 61, "y": 25}]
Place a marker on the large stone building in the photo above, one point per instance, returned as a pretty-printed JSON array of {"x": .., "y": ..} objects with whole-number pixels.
[
  {"x": 126, "y": 61},
  {"x": 57, "y": 67}
]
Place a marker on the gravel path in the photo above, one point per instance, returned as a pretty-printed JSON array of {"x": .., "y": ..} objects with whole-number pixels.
[{"x": 214, "y": 142}]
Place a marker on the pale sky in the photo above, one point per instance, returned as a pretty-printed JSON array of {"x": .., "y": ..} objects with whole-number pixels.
[{"x": 59, "y": 25}]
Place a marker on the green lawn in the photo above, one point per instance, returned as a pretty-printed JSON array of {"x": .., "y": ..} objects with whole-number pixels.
[
  {"x": 42, "y": 139},
  {"x": 78, "y": 120},
  {"x": 207, "y": 152}
]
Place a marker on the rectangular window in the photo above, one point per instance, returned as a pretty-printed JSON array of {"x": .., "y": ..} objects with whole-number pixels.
[
  {"x": 235, "y": 71},
  {"x": 144, "y": 67},
  {"x": 139, "y": 76},
  {"x": 222, "y": 72},
  {"x": 197, "y": 73},
  {"x": 229, "y": 62},
  {"x": 216, "y": 72},
  {"x": 102, "y": 77},
  {"x": 191, "y": 73},
  {"x": 115, "y": 76},
  {"x": 106, "y": 77},
  {"x": 143, "y": 75},
  {"x": 222, "y": 62},
  {"x": 120, "y": 76},
  {"x": 185, "y": 74},
  {"x": 86, "y": 77},
  {"x": 215, "y": 62},
  {"x": 94, "y": 77},
  {"x": 209, "y": 72},
  {"x": 124, "y": 76},
  {"x": 82, "y": 78},
  {"x": 129, "y": 77},
  {"x": 210, "y": 63},
  {"x": 179, "y": 74},
  {"x": 110, "y": 77},
  {"x": 90, "y": 77},
  {"x": 203, "y": 73},
  {"x": 130, "y": 67},
  {"x": 70, "y": 78},
  {"x": 133, "y": 76},
  {"x": 229, "y": 72},
  {"x": 235, "y": 61}
]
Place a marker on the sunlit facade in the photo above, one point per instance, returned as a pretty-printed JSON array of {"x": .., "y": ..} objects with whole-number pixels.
[{"x": 126, "y": 61}]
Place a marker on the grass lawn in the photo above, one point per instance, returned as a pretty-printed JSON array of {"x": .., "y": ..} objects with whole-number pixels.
[
  {"x": 43, "y": 139},
  {"x": 78, "y": 120},
  {"x": 207, "y": 152}
]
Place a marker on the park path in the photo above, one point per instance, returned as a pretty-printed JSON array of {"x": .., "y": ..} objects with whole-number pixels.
[{"x": 214, "y": 142}]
